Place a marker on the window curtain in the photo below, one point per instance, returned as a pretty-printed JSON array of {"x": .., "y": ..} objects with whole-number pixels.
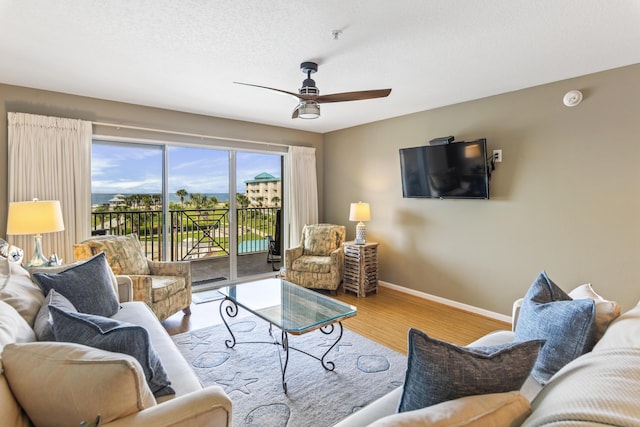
[
  {"x": 49, "y": 158},
  {"x": 303, "y": 191}
]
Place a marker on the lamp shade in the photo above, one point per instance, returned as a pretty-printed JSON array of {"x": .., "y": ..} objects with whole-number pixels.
[
  {"x": 359, "y": 212},
  {"x": 36, "y": 217}
]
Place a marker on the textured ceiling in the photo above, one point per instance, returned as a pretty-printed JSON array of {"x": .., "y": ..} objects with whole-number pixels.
[{"x": 185, "y": 54}]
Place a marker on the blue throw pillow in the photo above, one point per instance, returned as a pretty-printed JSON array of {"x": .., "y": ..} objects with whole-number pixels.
[
  {"x": 438, "y": 371},
  {"x": 116, "y": 336},
  {"x": 567, "y": 325},
  {"x": 87, "y": 286},
  {"x": 43, "y": 325}
]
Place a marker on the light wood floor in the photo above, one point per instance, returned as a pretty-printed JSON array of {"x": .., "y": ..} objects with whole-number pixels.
[{"x": 384, "y": 317}]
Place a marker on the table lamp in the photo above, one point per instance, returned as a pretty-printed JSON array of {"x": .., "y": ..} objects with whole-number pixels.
[
  {"x": 35, "y": 217},
  {"x": 360, "y": 212}
]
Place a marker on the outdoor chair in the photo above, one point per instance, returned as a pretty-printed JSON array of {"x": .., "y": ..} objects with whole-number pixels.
[
  {"x": 164, "y": 286},
  {"x": 273, "y": 255},
  {"x": 318, "y": 262}
]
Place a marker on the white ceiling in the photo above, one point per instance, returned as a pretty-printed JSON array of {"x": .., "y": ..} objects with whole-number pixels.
[{"x": 185, "y": 54}]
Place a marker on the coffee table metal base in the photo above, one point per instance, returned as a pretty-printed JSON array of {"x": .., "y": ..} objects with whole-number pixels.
[{"x": 230, "y": 308}]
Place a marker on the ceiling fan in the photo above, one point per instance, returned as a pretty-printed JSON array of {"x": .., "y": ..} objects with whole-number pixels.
[{"x": 310, "y": 98}]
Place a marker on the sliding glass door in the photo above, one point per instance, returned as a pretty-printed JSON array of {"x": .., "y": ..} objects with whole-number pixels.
[
  {"x": 218, "y": 208},
  {"x": 258, "y": 212}
]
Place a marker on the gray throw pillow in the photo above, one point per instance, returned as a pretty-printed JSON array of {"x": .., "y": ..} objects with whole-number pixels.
[
  {"x": 567, "y": 325},
  {"x": 43, "y": 325},
  {"x": 438, "y": 371},
  {"x": 87, "y": 285},
  {"x": 116, "y": 336}
]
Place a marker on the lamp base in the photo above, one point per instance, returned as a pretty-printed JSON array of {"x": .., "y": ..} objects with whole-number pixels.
[
  {"x": 37, "y": 260},
  {"x": 360, "y": 232}
]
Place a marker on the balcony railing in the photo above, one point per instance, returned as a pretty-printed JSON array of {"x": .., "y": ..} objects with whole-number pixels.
[{"x": 194, "y": 233}]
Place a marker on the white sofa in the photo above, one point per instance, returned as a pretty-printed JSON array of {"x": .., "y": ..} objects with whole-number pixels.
[
  {"x": 131, "y": 404},
  {"x": 599, "y": 388}
]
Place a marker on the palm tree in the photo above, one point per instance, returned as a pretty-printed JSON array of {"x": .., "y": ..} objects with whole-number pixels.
[
  {"x": 197, "y": 200},
  {"x": 242, "y": 200},
  {"x": 146, "y": 201},
  {"x": 182, "y": 193}
]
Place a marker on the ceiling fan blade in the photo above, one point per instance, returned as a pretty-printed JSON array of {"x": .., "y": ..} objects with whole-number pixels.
[
  {"x": 268, "y": 88},
  {"x": 297, "y": 95},
  {"x": 353, "y": 96}
]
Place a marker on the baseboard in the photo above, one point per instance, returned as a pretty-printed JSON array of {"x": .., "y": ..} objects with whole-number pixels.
[{"x": 452, "y": 303}]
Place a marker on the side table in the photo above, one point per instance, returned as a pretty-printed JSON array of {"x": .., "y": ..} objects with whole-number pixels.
[{"x": 360, "y": 268}]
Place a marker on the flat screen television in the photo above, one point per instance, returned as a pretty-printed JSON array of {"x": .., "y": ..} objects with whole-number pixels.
[{"x": 457, "y": 170}]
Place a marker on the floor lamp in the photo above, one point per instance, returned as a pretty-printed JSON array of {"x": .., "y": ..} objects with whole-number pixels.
[{"x": 35, "y": 217}]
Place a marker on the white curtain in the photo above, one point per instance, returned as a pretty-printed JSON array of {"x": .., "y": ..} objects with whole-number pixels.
[
  {"x": 303, "y": 191},
  {"x": 50, "y": 159}
]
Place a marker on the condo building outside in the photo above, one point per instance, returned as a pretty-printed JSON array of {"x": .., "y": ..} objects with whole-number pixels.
[{"x": 264, "y": 191}]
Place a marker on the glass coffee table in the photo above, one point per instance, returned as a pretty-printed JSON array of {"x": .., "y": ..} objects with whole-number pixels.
[{"x": 290, "y": 308}]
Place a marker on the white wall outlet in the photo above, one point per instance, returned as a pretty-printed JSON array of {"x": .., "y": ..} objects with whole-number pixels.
[{"x": 497, "y": 156}]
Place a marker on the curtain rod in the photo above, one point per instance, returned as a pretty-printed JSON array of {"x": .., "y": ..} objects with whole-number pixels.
[{"x": 197, "y": 135}]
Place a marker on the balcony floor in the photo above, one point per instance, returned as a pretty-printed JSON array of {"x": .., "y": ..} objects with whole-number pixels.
[{"x": 214, "y": 269}]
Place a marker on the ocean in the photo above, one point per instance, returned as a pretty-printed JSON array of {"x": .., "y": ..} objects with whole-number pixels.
[{"x": 102, "y": 198}]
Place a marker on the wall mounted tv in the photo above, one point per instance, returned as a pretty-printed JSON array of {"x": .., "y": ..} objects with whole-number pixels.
[{"x": 457, "y": 170}]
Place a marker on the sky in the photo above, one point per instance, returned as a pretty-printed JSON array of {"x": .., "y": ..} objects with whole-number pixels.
[{"x": 135, "y": 169}]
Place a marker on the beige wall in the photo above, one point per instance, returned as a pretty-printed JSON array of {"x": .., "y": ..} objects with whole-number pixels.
[
  {"x": 566, "y": 198},
  {"x": 25, "y": 100}
]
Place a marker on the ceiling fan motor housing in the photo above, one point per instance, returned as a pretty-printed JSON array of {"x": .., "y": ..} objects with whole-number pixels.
[
  {"x": 309, "y": 88},
  {"x": 309, "y": 85}
]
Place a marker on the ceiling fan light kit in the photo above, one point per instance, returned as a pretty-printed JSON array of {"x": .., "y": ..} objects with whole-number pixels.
[
  {"x": 308, "y": 110},
  {"x": 310, "y": 98}
]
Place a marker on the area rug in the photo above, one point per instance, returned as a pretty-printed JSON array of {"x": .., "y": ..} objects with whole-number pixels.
[{"x": 251, "y": 376}]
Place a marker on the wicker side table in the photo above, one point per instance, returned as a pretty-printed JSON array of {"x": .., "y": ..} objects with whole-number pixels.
[{"x": 360, "y": 268}]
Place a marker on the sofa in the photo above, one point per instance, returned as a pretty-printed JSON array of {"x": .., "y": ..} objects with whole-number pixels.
[
  {"x": 599, "y": 388},
  {"x": 50, "y": 383}
]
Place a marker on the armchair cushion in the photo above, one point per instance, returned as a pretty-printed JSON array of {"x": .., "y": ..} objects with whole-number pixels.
[
  {"x": 162, "y": 287},
  {"x": 113, "y": 335},
  {"x": 63, "y": 384},
  {"x": 313, "y": 264},
  {"x": 322, "y": 239},
  {"x": 124, "y": 253},
  {"x": 87, "y": 285}
]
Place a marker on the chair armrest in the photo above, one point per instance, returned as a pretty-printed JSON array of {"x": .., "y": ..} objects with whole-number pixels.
[
  {"x": 339, "y": 253},
  {"x": 207, "y": 407},
  {"x": 337, "y": 258},
  {"x": 291, "y": 255},
  {"x": 170, "y": 268},
  {"x": 125, "y": 288},
  {"x": 142, "y": 288}
]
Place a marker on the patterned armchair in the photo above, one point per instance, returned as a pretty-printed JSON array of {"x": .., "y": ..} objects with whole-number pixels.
[
  {"x": 318, "y": 262},
  {"x": 164, "y": 286}
]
